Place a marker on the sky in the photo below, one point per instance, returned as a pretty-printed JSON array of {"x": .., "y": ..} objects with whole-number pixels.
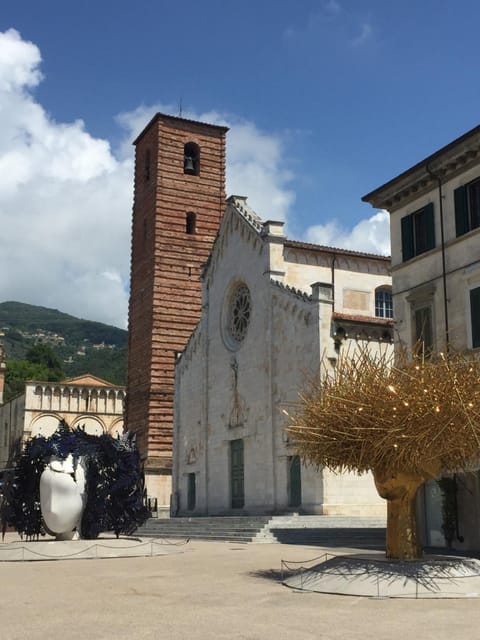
[{"x": 325, "y": 99}]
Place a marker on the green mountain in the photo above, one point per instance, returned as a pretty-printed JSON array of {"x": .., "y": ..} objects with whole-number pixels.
[{"x": 82, "y": 346}]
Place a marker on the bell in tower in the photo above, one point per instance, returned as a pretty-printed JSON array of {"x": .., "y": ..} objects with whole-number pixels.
[
  {"x": 191, "y": 159},
  {"x": 189, "y": 165}
]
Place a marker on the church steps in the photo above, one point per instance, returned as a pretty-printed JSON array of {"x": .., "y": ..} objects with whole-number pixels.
[{"x": 363, "y": 532}]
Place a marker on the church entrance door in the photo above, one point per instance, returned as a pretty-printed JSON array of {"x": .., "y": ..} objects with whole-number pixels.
[
  {"x": 192, "y": 492},
  {"x": 237, "y": 474},
  {"x": 295, "y": 482}
]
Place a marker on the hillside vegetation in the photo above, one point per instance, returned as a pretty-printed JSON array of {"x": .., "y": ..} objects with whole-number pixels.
[{"x": 82, "y": 346}]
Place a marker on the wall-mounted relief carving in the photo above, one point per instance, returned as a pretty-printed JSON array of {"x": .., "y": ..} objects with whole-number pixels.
[
  {"x": 237, "y": 416},
  {"x": 356, "y": 300},
  {"x": 191, "y": 456},
  {"x": 237, "y": 413}
]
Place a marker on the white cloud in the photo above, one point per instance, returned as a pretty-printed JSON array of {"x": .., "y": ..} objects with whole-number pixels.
[
  {"x": 331, "y": 22},
  {"x": 365, "y": 34},
  {"x": 65, "y": 202},
  {"x": 19, "y": 62},
  {"x": 371, "y": 235},
  {"x": 332, "y": 7},
  {"x": 256, "y": 169},
  {"x": 66, "y": 198}
]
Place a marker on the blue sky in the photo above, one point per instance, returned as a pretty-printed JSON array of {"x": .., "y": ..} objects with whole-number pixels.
[{"x": 326, "y": 100}]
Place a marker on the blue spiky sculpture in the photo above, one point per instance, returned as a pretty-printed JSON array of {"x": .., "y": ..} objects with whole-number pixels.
[{"x": 114, "y": 482}]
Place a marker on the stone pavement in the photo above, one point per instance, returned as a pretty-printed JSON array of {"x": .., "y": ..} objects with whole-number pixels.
[{"x": 210, "y": 590}]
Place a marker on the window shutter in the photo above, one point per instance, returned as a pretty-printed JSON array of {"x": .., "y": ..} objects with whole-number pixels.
[
  {"x": 475, "y": 316},
  {"x": 429, "y": 227},
  {"x": 407, "y": 237},
  {"x": 461, "y": 210}
]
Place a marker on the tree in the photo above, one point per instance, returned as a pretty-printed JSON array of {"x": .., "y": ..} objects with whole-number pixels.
[
  {"x": 405, "y": 422},
  {"x": 41, "y": 364},
  {"x": 44, "y": 355},
  {"x": 17, "y": 373}
]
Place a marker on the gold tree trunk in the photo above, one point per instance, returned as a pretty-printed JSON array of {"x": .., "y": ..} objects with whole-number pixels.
[{"x": 400, "y": 490}]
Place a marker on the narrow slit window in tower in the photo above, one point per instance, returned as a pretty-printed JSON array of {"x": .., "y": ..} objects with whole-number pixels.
[{"x": 190, "y": 223}]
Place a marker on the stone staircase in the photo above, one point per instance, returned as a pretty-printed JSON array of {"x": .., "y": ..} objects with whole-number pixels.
[
  {"x": 228, "y": 528},
  {"x": 326, "y": 531},
  {"x": 360, "y": 532}
]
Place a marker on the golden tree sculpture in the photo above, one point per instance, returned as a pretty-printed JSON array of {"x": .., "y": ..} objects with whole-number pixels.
[{"x": 406, "y": 422}]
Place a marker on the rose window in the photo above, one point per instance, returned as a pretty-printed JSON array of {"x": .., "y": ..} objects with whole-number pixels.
[{"x": 239, "y": 316}]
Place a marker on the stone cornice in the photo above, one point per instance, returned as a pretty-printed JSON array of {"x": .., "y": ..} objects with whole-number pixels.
[
  {"x": 178, "y": 121},
  {"x": 446, "y": 163}
]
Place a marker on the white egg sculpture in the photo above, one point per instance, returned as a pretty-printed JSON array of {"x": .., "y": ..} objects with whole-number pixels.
[{"x": 62, "y": 496}]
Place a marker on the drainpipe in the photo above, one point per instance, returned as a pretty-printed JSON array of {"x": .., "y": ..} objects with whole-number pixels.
[
  {"x": 460, "y": 538},
  {"x": 206, "y": 393},
  {"x": 444, "y": 271},
  {"x": 333, "y": 281}
]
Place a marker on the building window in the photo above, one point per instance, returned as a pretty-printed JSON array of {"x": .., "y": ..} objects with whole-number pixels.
[
  {"x": 467, "y": 207},
  {"x": 191, "y": 159},
  {"x": 190, "y": 223},
  {"x": 423, "y": 331},
  {"x": 146, "y": 166},
  {"x": 418, "y": 232},
  {"x": 475, "y": 316},
  {"x": 383, "y": 303}
]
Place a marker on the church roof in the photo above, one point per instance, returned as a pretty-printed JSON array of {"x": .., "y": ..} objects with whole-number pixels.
[
  {"x": 88, "y": 379},
  {"x": 85, "y": 380},
  {"x": 254, "y": 220},
  {"x": 295, "y": 244},
  {"x": 347, "y": 317}
]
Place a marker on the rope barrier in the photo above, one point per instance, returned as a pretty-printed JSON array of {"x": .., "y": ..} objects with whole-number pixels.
[
  {"x": 428, "y": 576},
  {"x": 89, "y": 550}
]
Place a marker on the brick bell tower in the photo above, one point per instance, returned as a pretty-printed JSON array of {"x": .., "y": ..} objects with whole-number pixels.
[{"x": 179, "y": 199}]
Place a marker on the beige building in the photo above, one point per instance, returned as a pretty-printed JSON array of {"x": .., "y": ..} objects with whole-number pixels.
[
  {"x": 272, "y": 310},
  {"x": 83, "y": 401},
  {"x": 435, "y": 231}
]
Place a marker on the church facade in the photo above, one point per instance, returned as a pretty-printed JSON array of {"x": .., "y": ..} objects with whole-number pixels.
[
  {"x": 274, "y": 313},
  {"x": 85, "y": 401}
]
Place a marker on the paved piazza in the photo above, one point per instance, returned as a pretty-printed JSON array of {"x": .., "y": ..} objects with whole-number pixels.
[{"x": 211, "y": 590}]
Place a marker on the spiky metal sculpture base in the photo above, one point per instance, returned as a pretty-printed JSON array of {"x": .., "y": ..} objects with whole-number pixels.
[
  {"x": 406, "y": 422},
  {"x": 113, "y": 482}
]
